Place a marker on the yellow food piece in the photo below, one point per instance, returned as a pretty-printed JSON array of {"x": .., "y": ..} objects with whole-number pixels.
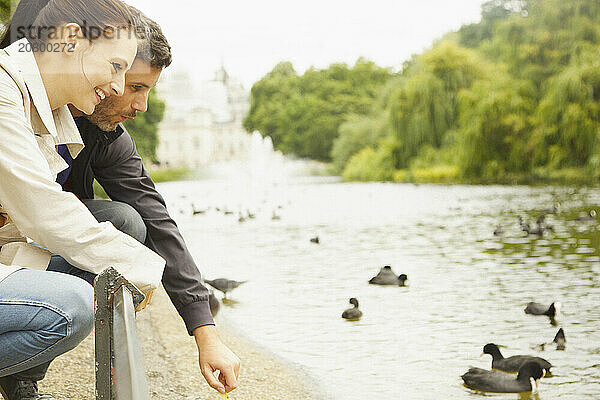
[{"x": 224, "y": 396}]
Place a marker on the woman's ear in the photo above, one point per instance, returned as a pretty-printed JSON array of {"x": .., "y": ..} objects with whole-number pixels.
[{"x": 73, "y": 36}]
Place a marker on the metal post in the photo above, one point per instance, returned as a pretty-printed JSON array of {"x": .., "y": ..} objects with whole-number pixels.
[
  {"x": 120, "y": 372},
  {"x": 102, "y": 336}
]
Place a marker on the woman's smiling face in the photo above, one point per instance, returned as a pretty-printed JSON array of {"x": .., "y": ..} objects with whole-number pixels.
[{"x": 104, "y": 63}]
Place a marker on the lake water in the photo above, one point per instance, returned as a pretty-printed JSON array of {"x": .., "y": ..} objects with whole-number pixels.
[{"x": 467, "y": 287}]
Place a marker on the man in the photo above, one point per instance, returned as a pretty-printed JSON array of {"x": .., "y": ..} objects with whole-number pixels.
[{"x": 110, "y": 157}]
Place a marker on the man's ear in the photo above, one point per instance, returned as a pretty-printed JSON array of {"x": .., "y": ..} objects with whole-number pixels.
[{"x": 73, "y": 36}]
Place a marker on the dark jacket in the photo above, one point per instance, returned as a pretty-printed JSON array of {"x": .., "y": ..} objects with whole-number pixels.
[{"x": 112, "y": 159}]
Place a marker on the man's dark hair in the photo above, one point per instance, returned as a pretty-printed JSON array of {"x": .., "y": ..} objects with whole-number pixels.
[{"x": 153, "y": 47}]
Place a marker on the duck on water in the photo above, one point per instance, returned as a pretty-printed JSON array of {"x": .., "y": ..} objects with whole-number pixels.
[
  {"x": 514, "y": 363},
  {"x": 552, "y": 311},
  {"x": 352, "y": 314},
  {"x": 527, "y": 380},
  {"x": 559, "y": 340},
  {"x": 386, "y": 276}
]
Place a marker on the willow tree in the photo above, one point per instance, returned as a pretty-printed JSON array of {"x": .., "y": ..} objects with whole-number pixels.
[
  {"x": 494, "y": 127},
  {"x": 358, "y": 132},
  {"x": 540, "y": 43},
  {"x": 425, "y": 107},
  {"x": 568, "y": 116},
  {"x": 492, "y": 12},
  {"x": 372, "y": 164}
]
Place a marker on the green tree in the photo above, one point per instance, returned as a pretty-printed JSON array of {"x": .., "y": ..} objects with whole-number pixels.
[
  {"x": 370, "y": 164},
  {"x": 144, "y": 127},
  {"x": 268, "y": 99},
  {"x": 494, "y": 127},
  {"x": 302, "y": 114},
  {"x": 424, "y": 108},
  {"x": 6, "y": 6},
  {"x": 568, "y": 116},
  {"x": 515, "y": 95},
  {"x": 357, "y": 132},
  {"x": 491, "y": 13},
  {"x": 542, "y": 42}
]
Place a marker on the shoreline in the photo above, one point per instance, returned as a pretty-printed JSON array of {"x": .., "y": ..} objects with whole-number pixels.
[
  {"x": 300, "y": 372},
  {"x": 171, "y": 361}
]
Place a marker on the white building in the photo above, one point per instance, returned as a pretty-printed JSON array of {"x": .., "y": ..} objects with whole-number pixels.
[{"x": 202, "y": 123}]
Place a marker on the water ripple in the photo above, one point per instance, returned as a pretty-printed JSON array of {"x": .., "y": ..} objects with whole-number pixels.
[{"x": 467, "y": 287}]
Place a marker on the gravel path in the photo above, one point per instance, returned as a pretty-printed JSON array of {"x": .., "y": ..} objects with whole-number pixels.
[{"x": 172, "y": 364}]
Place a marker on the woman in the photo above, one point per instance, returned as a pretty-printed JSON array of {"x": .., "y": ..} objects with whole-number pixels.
[{"x": 76, "y": 52}]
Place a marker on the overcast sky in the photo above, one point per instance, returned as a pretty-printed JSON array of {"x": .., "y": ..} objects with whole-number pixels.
[{"x": 251, "y": 37}]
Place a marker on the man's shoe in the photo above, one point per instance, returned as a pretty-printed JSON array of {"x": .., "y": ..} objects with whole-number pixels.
[{"x": 14, "y": 389}]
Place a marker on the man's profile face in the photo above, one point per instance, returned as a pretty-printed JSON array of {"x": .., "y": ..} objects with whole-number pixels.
[{"x": 116, "y": 109}]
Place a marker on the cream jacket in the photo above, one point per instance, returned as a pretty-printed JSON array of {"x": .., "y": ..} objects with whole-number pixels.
[{"x": 36, "y": 217}]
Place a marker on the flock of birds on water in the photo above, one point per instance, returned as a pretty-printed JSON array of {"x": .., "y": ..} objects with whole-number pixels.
[
  {"x": 541, "y": 226},
  {"x": 500, "y": 378},
  {"x": 242, "y": 216},
  {"x": 530, "y": 369}
]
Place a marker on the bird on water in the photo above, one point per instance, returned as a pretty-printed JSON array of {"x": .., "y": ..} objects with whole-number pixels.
[
  {"x": 560, "y": 340},
  {"x": 514, "y": 363},
  {"x": 552, "y": 311},
  {"x": 352, "y": 314},
  {"x": 386, "y": 276},
  {"x": 587, "y": 217},
  {"x": 527, "y": 380}
]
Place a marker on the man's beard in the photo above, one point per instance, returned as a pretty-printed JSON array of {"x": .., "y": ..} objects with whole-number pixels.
[{"x": 103, "y": 119}]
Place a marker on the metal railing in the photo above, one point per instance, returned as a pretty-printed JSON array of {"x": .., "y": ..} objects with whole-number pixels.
[{"x": 120, "y": 372}]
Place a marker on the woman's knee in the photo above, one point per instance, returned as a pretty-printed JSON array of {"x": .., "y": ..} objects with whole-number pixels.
[
  {"x": 79, "y": 308},
  {"x": 49, "y": 313}
]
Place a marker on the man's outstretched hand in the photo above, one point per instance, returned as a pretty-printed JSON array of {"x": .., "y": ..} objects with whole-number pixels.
[{"x": 214, "y": 356}]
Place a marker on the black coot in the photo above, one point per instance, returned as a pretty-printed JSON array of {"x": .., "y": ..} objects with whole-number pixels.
[
  {"x": 386, "y": 276},
  {"x": 352, "y": 314},
  {"x": 514, "y": 363},
  {"x": 551, "y": 311},
  {"x": 560, "y": 340},
  {"x": 499, "y": 382}
]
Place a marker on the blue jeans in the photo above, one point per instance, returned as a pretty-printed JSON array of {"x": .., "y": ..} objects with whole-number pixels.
[{"x": 44, "y": 314}]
